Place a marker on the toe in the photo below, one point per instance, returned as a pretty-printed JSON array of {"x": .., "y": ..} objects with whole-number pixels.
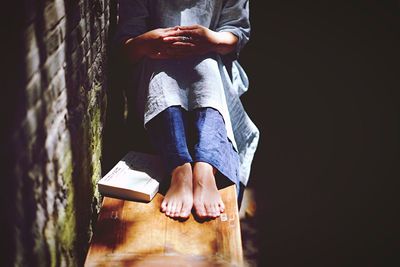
[
  {"x": 200, "y": 210},
  {"x": 184, "y": 214},
  {"x": 217, "y": 210},
  {"x": 185, "y": 211},
  {"x": 221, "y": 206},
  {"x": 210, "y": 210},
  {"x": 164, "y": 204},
  {"x": 170, "y": 208},
  {"x": 178, "y": 209}
]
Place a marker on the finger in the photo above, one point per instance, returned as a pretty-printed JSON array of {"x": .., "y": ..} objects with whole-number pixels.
[
  {"x": 172, "y": 32},
  {"x": 182, "y": 45},
  {"x": 189, "y": 27},
  {"x": 171, "y": 29},
  {"x": 174, "y": 28},
  {"x": 180, "y": 40},
  {"x": 183, "y": 33},
  {"x": 171, "y": 39}
]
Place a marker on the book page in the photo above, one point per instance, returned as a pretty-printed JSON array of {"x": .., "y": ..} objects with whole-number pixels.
[{"x": 136, "y": 171}]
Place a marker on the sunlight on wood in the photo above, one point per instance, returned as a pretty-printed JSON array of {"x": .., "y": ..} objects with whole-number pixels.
[{"x": 137, "y": 234}]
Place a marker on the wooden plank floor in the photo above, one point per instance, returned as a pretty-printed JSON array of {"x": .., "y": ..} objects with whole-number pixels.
[{"x": 137, "y": 234}]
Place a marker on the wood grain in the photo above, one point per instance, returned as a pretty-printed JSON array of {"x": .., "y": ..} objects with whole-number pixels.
[{"x": 137, "y": 234}]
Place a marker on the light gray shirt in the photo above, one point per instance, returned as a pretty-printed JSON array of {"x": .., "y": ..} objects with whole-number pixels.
[{"x": 204, "y": 81}]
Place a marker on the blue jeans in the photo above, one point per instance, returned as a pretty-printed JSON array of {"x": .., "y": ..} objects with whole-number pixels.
[{"x": 182, "y": 136}]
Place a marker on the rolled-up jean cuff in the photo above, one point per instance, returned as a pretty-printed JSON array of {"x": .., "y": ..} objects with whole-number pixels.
[{"x": 172, "y": 161}]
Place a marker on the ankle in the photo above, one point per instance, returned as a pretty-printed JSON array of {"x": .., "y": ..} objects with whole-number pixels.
[
  {"x": 182, "y": 173},
  {"x": 203, "y": 169},
  {"x": 204, "y": 180},
  {"x": 179, "y": 178}
]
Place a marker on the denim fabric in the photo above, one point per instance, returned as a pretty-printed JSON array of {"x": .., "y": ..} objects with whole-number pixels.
[
  {"x": 182, "y": 136},
  {"x": 168, "y": 136}
]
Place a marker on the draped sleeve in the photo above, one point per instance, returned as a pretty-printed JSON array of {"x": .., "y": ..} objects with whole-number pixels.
[
  {"x": 133, "y": 19},
  {"x": 234, "y": 18}
]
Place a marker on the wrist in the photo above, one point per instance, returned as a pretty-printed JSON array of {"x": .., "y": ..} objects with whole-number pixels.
[
  {"x": 135, "y": 48},
  {"x": 225, "y": 42},
  {"x": 136, "y": 45}
]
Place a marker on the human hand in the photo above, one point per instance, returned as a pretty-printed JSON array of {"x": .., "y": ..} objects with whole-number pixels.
[
  {"x": 153, "y": 45},
  {"x": 178, "y": 42},
  {"x": 191, "y": 40},
  {"x": 198, "y": 40}
]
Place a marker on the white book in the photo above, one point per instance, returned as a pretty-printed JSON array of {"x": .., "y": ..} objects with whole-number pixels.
[{"x": 135, "y": 177}]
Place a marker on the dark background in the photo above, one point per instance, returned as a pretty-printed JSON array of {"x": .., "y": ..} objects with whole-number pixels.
[{"x": 324, "y": 92}]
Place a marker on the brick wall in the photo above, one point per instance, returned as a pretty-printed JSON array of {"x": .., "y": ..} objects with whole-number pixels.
[{"x": 55, "y": 115}]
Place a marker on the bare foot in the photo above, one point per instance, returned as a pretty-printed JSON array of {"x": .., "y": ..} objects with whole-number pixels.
[
  {"x": 178, "y": 201},
  {"x": 207, "y": 200}
]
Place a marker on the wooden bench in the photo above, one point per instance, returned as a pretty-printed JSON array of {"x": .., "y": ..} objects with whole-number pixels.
[{"x": 137, "y": 234}]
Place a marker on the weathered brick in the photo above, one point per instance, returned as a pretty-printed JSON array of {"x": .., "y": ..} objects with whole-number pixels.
[
  {"x": 97, "y": 69},
  {"x": 53, "y": 123},
  {"x": 86, "y": 45},
  {"x": 62, "y": 26},
  {"x": 104, "y": 47},
  {"x": 33, "y": 117},
  {"x": 58, "y": 139},
  {"x": 57, "y": 85},
  {"x": 52, "y": 96},
  {"x": 98, "y": 6},
  {"x": 53, "y": 64},
  {"x": 53, "y": 13},
  {"x": 53, "y": 41},
  {"x": 34, "y": 90},
  {"x": 31, "y": 45},
  {"x": 106, "y": 14},
  {"x": 76, "y": 36},
  {"x": 32, "y": 64},
  {"x": 96, "y": 46},
  {"x": 102, "y": 22},
  {"x": 75, "y": 59}
]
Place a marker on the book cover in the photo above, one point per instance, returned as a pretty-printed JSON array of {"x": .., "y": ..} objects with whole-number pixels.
[{"x": 135, "y": 177}]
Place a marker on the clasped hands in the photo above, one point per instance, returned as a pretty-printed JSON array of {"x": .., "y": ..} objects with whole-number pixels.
[{"x": 180, "y": 42}]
